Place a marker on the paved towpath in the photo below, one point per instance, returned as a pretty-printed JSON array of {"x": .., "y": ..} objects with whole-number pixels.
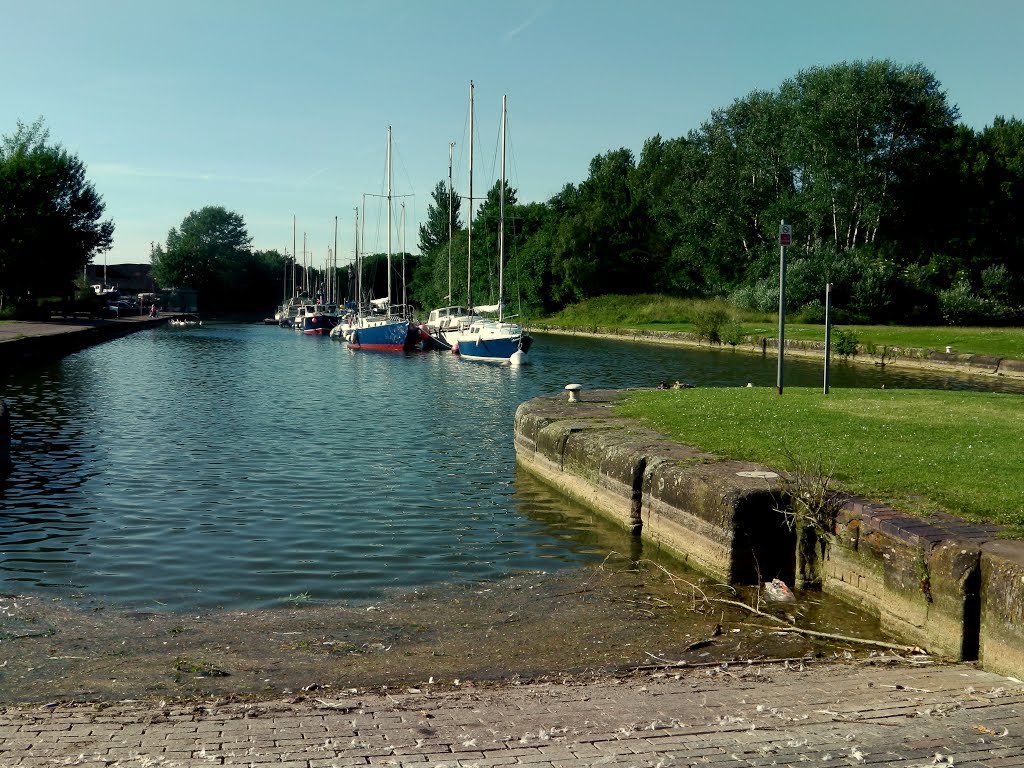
[
  {"x": 829, "y": 714},
  {"x": 19, "y": 329}
]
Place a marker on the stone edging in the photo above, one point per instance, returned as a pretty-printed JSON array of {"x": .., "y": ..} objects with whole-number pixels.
[
  {"x": 906, "y": 357},
  {"x": 939, "y": 582},
  {"x": 33, "y": 349}
]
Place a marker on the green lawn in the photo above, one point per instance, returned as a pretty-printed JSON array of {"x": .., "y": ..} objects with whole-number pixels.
[
  {"x": 663, "y": 313},
  {"x": 920, "y": 451}
]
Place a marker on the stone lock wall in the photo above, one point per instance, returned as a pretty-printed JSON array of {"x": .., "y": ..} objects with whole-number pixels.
[
  {"x": 688, "y": 502},
  {"x": 939, "y": 582}
]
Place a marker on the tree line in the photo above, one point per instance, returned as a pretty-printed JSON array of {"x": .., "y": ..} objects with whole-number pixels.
[{"x": 910, "y": 215}]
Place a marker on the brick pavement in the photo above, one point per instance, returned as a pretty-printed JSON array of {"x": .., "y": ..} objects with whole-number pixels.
[{"x": 834, "y": 714}]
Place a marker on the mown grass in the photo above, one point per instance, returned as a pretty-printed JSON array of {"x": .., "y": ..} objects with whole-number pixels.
[
  {"x": 920, "y": 451},
  {"x": 654, "y": 312}
]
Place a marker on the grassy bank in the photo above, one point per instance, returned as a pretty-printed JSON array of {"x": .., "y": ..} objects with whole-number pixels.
[
  {"x": 651, "y": 312},
  {"x": 920, "y": 451}
]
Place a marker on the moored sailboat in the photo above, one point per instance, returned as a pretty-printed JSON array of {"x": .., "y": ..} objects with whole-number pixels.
[
  {"x": 488, "y": 339},
  {"x": 382, "y": 330}
]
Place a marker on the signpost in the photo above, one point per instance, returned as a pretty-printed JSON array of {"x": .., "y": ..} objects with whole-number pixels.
[
  {"x": 828, "y": 331},
  {"x": 785, "y": 239}
]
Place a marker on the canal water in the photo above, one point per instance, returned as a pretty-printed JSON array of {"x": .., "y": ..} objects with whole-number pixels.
[{"x": 245, "y": 466}]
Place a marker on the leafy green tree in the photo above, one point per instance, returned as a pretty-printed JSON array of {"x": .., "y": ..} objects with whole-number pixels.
[
  {"x": 49, "y": 214},
  {"x": 856, "y": 133},
  {"x": 434, "y": 232},
  {"x": 429, "y": 280},
  {"x": 204, "y": 253}
]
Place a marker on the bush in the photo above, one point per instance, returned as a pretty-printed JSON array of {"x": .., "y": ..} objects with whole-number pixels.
[
  {"x": 766, "y": 295},
  {"x": 813, "y": 312},
  {"x": 959, "y": 305},
  {"x": 996, "y": 284},
  {"x": 708, "y": 318},
  {"x": 732, "y": 332},
  {"x": 743, "y": 297},
  {"x": 844, "y": 343}
]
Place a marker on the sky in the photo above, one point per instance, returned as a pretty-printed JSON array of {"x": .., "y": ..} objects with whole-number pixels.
[{"x": 279, "y": 111}]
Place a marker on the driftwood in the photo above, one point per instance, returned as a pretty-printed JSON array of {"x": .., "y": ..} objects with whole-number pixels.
[{"x": 785, "y": 627}]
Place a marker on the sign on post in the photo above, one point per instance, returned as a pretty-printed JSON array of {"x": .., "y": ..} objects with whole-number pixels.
[{"x": 786, "y": 234}]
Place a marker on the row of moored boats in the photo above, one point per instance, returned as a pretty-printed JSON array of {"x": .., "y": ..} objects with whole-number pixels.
[
  {"x": 472, "y": 333},
  {"x": 457, "y": 329}
]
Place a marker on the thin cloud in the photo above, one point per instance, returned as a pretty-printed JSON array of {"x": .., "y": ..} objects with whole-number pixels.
[
  {"x": 312, "y": 176},
  {"x": 513, "y": 32},
  {"x": 119, "y": 169}
]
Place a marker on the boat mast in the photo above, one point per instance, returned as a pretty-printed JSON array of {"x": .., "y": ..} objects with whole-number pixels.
[
  {"x": 334, "y": 267},
  {"x": 469, "y": 221},
  {"x": 501, "y": 219},
  {"x": 389, "y": 219},
  {"x": 362, "y": 251},
  {"x": 450, "y": 299},
  {"x": 355, "y": 260},
  {"x": 294, "y": 259},
  {"x": 405, "y": 301}
]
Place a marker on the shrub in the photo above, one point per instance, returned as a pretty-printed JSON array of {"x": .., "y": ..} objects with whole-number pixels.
[
  {"x": 732, "y": 332},
  {"x": 812, "y": 312},
  {"x": 996, "y": 284},
  {"x": 708, "y": 318},
  {"x": 844, "y": 343}
]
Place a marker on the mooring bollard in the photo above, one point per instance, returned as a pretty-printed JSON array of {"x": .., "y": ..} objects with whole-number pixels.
[{"x": 574, "y": 392}]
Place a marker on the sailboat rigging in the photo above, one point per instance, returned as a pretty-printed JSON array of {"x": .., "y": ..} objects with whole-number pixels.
[
  {"x": 383, "y": 329},
  {"x": 487, "y": 339}
]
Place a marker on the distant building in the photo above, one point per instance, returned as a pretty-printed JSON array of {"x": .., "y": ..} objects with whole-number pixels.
[{"x": 127, "y": 279}]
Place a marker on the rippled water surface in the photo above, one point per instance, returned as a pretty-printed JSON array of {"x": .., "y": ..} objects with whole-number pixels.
[{"x": 244, "y": 465}]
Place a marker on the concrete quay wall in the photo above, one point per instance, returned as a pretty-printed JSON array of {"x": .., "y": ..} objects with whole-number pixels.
[
  {"x": 905, "y": 357},
  {"x": 25, "y": 345},
  {"x": 949, "y": 586}
]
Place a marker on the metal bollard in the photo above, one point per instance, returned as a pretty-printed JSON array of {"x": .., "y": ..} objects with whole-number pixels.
[{"x": 574, "y": 392}]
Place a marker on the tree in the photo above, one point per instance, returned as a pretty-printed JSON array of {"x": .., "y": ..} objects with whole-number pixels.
[
  {"x": 49, "y": 214},
  {"x": 601, "y": 246},
  {"x": 434, "y": 232},
  {"x": 858, "y": 132},
  {"x": 209, "y": 247},
  {"x": 429, "y": 281}
]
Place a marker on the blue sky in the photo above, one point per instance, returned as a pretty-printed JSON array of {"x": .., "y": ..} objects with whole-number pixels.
[{"x": 274, "y": 109}]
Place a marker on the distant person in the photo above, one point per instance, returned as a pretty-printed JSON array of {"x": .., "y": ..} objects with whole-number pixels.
[{"x": 152, "y": 310}]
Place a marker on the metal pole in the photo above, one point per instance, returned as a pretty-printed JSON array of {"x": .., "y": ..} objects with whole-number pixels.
[
  {"x": 469, "y": 218},
  {"x": 782, "y": 311},
  {"x": 405, "y": 300},
  {"x": 828, "y": 331},
  {"x": 450, "y": 299}
]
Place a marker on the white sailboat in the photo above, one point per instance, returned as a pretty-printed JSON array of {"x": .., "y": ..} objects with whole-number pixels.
[
  {"x": 444, "y": 323},
  {"x": 488, "y": 339},
  {"x": 381, "y": 329}
]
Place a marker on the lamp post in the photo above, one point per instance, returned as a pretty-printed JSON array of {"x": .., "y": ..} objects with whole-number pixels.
[{"x": 785, "y": 239}]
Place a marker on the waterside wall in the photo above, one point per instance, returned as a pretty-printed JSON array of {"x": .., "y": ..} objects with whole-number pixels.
[
  {"x": 24, "y": 345},
  {"x": 908, "y": 357},
  {"x": 951, "y": 587}
]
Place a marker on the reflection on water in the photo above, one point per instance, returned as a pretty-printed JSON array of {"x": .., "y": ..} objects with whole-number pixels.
[{"x": 240, "y": 466}]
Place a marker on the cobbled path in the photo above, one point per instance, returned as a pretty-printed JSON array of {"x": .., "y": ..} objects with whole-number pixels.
[{"x": 828, "y": 714}]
